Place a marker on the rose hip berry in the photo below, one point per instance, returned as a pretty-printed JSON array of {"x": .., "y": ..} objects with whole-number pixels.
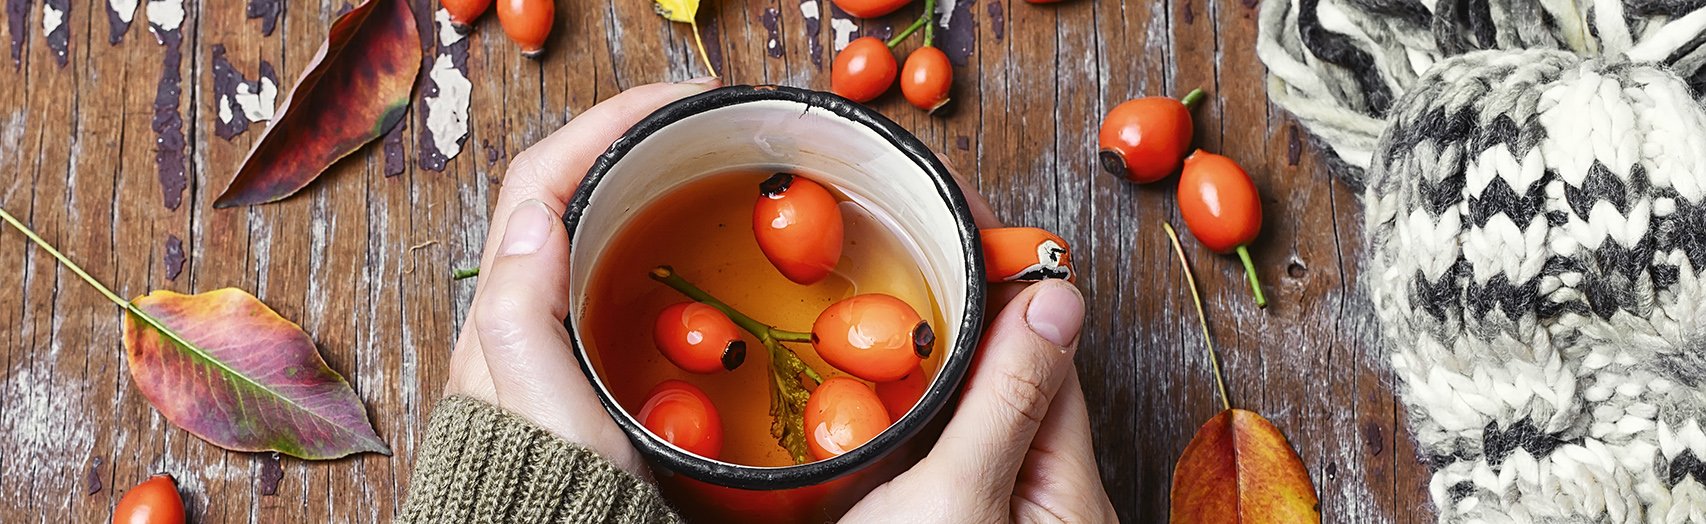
[
  {"x": 841, "y": 415},
  {"x": 698, "y": 338},
  {"x": 899, "y": 396},
  {"x": 927, "y": 78},
  {"x": 154, "y": 501},
  {"x": 863, "y": 70},
  {"x": 874, "y": 336},
  {"x": 463, "y": 13},
  {"x": 681, "y": 414},
  {"x": 1145, "y": 139},
  {"x": 528, "y": 23},
  {"x": 798, "y": 226},
  {"x": 1221, "y": 207}
]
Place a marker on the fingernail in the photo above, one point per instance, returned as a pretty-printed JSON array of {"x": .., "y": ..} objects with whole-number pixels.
[
  {"x": 709, "y": 81},
  {"x": 528, "y": 229},
  {"x": 1056, "y": 312}
]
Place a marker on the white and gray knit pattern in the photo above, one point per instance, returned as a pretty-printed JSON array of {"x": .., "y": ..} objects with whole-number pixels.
[{"x": 1534, "y": 184}]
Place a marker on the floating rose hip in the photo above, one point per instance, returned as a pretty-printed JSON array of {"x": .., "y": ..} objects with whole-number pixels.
[
  {"x": 699, "y": 338},
  {"x": 798, "y": 226},
  {"x": 899, "y": 396},
  {"x": 873, "y": 336},
  {"x": 842, "y": 414},
  {"x": 682, "y": 415},
  {"x": 1144, "y": 139}
]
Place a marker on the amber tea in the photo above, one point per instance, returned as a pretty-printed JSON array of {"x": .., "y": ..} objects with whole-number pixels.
[{"x": 762, "y": 246}]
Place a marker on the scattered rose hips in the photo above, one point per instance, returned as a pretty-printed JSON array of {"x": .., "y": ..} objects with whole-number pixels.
[
  {"x": 154, "y": 501},
  {"x": 927, "y": 78},
  {"x": 798, "y": 226},
  {"x": 681, "y": 414},
  {"x": 528, "y": 23},
  {"x": 841, "y": 415},
  {"x": 1221, "y": 207},
  {"x": 899, "y": 396},
  {"x": 863, "y": 70},
  {"x": 1144, "y": 139},
  {"x": 698, "y": 338},
  {"x": 463, "y": 13},
  {"x": 873, "y": 336}
]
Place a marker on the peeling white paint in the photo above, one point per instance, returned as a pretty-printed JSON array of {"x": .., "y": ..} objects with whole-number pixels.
[
  {"x": 165, "y": 15},
  {"x": 50, "y": 19},
  {"x": 447, "y": 113},
  {"x": 446, "y": 34},
  {"x": 809, "y": 9},
  {"x": 225, "y": 111},
  {"x": 945, "y": 11},
  {"x": 257, "y": 99},
  {"x": 844, "y": 30},
  {"x": 125, "y": 9}
]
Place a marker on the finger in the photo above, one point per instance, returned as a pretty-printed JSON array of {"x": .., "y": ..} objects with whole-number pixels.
[
  {"x": 1060, "y": 475},
  {"x": 550, "y": 170},
  {"x": 1025, "y": 357},
  {"x": 519, "y": 321}
]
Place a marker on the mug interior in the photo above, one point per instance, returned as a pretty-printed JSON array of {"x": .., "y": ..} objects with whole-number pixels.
[{"x": 870, "y": 159}]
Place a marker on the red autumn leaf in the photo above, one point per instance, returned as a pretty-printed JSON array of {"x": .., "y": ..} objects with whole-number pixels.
[
  {"x": 1239, "y": 468},
  {"x": 224, "y": 366},
  {"x": 354, "y": 90}
]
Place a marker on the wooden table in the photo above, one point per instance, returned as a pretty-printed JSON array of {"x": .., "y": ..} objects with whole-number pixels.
[{"x": 361, "y": 260}]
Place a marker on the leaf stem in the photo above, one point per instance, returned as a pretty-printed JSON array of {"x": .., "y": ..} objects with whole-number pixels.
[
  {"x": 1191, "y": 99},
  {"x": 1202, "y": 320},
  {"x": 904, "y": 33},
  {"x": 700, "y": 43},
  {"x": 768, "y": 335},
  {"x": 66, "y": 261},
  {"x": 930, "y": 25},
  {"x": 1250, "y": 274}
]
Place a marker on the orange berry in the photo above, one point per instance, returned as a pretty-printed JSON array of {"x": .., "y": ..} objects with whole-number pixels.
[
  {"x": 927, "y": 78},
  {"x": 842, "y": 414},
  {"x": 528, "y": 23},
  {"x": 698, "y": 338},
  {"x": 899, "y": 396},
  {"x": 873, "y": 336},
  {"x": 463, "y": 13},
  {"x": 154, "y": 501},
  {"x": 798, "y": 226},
  {"x": 681, "y": 414},
  {"x": 863, "y": 70}
]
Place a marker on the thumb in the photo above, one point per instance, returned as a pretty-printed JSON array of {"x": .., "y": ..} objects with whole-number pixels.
[
  {"x": 518, "y": 317},
  {"x": 1026, "y": 355}
]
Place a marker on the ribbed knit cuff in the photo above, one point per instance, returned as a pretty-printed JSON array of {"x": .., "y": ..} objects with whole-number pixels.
[{"x": 483, "y": 464}]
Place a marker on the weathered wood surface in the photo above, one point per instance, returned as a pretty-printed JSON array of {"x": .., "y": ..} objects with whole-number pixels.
[{"x": 361, "y": 260}]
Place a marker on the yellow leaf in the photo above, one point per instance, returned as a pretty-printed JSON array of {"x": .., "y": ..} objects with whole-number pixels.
[{"x": 678, "y": 10}]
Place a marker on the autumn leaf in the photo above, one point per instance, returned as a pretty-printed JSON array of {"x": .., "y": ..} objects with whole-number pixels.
[
  {"x": 687, "y": 12},
  {"x": 226, "y": 367},
  {"x": 354, "y": 90},
  {"x": 1239, "y": 468}
]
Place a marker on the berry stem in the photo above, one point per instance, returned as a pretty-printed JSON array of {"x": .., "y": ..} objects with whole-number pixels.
[
  {"x": 926, "y": 21},
  {"x": 1250, "y": 273},
  {"x": 769, "y": 336},
  {"x": 1202, "y": 320},
  {"x": 462, "y": 273},
  {"x": 1193, "y": 98}
]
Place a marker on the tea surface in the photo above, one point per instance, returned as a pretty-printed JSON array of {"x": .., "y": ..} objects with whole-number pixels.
[{"x": 703, "y": 229}]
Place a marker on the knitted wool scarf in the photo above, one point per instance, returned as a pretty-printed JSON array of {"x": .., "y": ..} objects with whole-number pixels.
[{"x": 1533, "y": 177}]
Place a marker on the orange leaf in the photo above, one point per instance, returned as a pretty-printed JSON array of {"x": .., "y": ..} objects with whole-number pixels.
[
  {"x": 355, "y": 89},
  {"x": 1239, "y": 468},
  {"x": 226, "y": 367}
]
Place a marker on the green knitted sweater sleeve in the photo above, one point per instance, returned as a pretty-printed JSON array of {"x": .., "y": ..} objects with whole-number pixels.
[{"x": 483, "y": 464}]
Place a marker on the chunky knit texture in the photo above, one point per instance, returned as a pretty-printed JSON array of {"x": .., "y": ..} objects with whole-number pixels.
[
  {"x": 1534, "y": 184},
  {"x": 483, "y": 464}
]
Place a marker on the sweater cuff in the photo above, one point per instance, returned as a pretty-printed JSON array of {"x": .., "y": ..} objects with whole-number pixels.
[{"x": 481, "y": 463}]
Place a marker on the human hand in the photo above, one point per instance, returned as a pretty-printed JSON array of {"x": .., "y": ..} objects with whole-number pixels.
[
  {"x": 1018, "y": 446},
  {"x": 513, "y": 351}
]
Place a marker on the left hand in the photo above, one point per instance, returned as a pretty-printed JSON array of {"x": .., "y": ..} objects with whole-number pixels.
[{"x": 513, "y": 351}]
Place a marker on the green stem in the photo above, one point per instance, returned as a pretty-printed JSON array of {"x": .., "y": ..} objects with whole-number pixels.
[
  {"x": 1250, "y": 273},
  {"x": 1193, "y": 98},
  {"x": 1202, "y": 320},
  {"x": 926, "y": 21},
  {"x": 908, "y": 31},
  {"x": 68, "y": 263},
  {"x": 768, "y": 335},
  {"x": 463, "y": 273}
]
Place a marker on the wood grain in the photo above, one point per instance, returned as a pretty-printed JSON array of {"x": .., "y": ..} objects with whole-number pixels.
[{"x": 361, "y": 260}]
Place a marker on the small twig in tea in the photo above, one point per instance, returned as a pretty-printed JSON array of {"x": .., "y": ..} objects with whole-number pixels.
[
  {"x": 769, "y": 335},
  {"x": 1202, "y": 320}
]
